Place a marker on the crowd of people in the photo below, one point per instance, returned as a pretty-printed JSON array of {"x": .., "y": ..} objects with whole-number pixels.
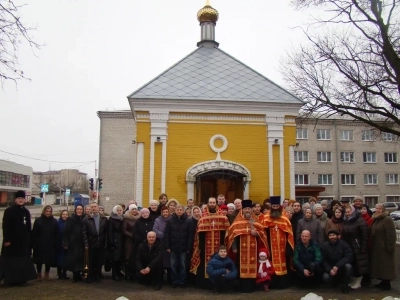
[{"x": 243, "y": 245}]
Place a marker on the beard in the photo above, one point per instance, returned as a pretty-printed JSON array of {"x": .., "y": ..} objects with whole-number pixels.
[
  {"x": 247, "y": 215},
  {"x": 276, "y": 213},
  {"x": 212, "y": 209}
]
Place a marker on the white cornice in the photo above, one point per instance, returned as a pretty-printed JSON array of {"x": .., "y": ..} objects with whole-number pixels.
[{"x": 115, "y": 114}]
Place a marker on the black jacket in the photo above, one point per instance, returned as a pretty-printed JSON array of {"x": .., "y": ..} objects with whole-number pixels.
[
  {"x": 178, "y": 235},
  {"x": 337, "y": 254},
  {"x": 115, "y": 242},
  {"x": 91, "y": 238},
  {"x": 149, "y": 257},
  {"x": 44, "y": 240},
  {"x": 140, "y": 230},
  {"x": 72, "y": 239},
  {"x": 17, "y": 230}
]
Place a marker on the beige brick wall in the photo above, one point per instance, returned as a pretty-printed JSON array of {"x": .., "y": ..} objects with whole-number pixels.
[
  {"x": 337, "y": 167},
  {"x": 117, "y": 157}
]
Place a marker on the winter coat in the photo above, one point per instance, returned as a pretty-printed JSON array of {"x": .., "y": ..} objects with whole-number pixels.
[
  {"x": 304, "y": 256},
  {"x": 15, "y": 261},
  {"x": 383, "y": 250},
  {"x": 297, "y": 216},
  {"x": 140, "y": 230},
  {"x": 337, "y": 254},
  {"x": 127, "y": 230},
  {"x": 367, "y": 219},
  {"x": 178, "y": 235},
  {"x": 355, "y": 233},
  {"x": 61, "y": 252},
  {"x": 159, "y": 226},
  {"x": 333, "y": 223},
  {"x": 115, "y": 238},
  {"x": 323, "y": 219},
  {"x": 73, "y": 241},
  {"x": 44, "y": 240},
  {"x": 92, "y": 238},
  {"x": 313, "y": 226},
  {"x": 149, "y": 257},
  {"x": 269, "y": 270},
  {"x": 154, "y": 214},
  {"x": 217, "y": 266}
]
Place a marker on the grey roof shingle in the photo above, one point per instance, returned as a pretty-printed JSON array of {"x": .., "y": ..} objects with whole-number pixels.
[{"x": 212, "y": 74}]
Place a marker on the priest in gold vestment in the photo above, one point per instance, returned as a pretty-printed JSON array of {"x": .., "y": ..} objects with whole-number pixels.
[
  {"x": 245, "y": 236},
  {"x": 210, "y": 234},
  {"x": 281, "y": 243}
]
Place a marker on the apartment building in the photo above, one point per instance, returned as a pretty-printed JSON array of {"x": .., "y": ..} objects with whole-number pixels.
[{"x": 337, "y": 158}]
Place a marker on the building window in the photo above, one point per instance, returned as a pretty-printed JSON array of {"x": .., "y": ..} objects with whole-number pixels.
[
  {"x": 371, "y": 201},
  {"x": 13, "y": 179},
  {"x": 390, "y": 157},
  {"x": 369, "y": 157},
  {"x": 346, "y": 135},
  {"x": 392, "y": 179},
  {"x": 348, "y": 179},
  {"x": 367, "y": 135},
  {"x": 347, "y": 157},
  {"x": 301, "y": 156},
  {"x": 302, "y": 133},
  {"x": 393, "y": 198},
  {"x": 323, "y": 156},
  {"x": 323, "y": 134},
  {"x": 388, "y": 137},
  {"x": 370, "y": 179},
  {"x": 301, "y": 179},
  {"x": 325, "y": 179}
]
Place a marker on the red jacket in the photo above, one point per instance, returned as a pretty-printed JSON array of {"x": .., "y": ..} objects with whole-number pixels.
[{"x": 270, "y": 271}]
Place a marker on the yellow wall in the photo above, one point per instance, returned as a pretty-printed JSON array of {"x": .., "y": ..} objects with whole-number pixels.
[{"x": 188, "y": 144}]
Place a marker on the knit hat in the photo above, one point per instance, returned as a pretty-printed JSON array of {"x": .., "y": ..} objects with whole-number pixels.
[
  {"x": 154, "y": 202},
  {"x": 223, "y": 206},
  {"x": 20, "y": 194},
  {"x": 132, "y": 206},
  {"x": 143, "y": 210},
  {"x": 358, "y": 198}
]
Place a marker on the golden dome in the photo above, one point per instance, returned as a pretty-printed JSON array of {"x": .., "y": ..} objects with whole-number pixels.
[{"x": 208, "y": 14}]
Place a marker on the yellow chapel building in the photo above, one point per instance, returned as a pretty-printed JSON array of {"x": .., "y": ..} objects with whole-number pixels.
[{"x": 206, "y": 126}]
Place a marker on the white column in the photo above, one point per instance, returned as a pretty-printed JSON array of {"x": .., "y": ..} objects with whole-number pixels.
[
  {"x": 271, "y": 169},
  {"x": 190, "y": 189},
  {"x": 139, "y": 173},
  {"x": 291, "y": 172},
  {"x": 282, "y": 169},
  {"x": 151, "y": 168},
  {"x": 164, "y": 166},
  {"x": 246, "y": 191}
]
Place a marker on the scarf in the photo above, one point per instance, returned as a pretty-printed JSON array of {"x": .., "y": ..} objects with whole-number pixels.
[{"x": 260, "y": 268}]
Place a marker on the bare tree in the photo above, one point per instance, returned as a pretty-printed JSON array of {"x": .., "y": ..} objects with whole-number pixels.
[
  {"x": 350, "y": 63},
  {"x": 12, "y": 33}
]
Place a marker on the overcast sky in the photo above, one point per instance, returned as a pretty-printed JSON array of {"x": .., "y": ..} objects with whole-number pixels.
[{"x": 97, "y": 52}]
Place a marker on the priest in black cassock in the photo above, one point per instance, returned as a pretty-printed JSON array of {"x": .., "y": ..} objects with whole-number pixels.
[{"x": 16, "y": 266}]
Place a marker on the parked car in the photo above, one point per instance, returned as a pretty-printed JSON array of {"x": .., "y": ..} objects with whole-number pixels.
[
  {"x": 391, "y": 206},
  {"x": 395, "y": 215}
]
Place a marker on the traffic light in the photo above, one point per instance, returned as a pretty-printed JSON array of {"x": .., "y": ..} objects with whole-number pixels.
[
  {"x": 91, "y": 184},
  {"x": 100, "y": 183}
]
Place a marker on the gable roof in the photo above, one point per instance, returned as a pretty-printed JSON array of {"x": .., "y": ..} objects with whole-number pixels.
[{"x": 212, "y": 74}]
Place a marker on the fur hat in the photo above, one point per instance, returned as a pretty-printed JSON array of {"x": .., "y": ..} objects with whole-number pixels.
[
  {"x": 154, "y": 202},
  {"x": 275, "y": 200},
  {"x": 20, "y": 194},
  {"x": 247, "y": 203},
  {"x": 172, "y": 200}
]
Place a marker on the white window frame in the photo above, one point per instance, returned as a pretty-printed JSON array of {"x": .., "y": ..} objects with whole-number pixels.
[
  {"x": 390, "y": 157},
  {"x": 392, "y": 198},
  {"x": 297, "y": 178},
  {"x": 346, "y": 135},
  {"x": 302, "y": 133},
  {"x": 347, "y": 157},
  {"x": 349, "y": 179},
  {"x": 323, "y": 134},
  {"x": 392, "y": 179},
  {"x": 370, "y": 179},
  {"x": 388, "y": 137},
  {"x": 367, "y": 136},
  {"x": 324, "y": 156},
  {"x": 369, "y": 157},
  {"x": 301, "y": 156},
  {"x": 325, "y": 179}
]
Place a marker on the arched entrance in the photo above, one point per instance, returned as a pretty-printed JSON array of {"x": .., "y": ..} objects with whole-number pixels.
[{"x": 211, "y": 178}]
